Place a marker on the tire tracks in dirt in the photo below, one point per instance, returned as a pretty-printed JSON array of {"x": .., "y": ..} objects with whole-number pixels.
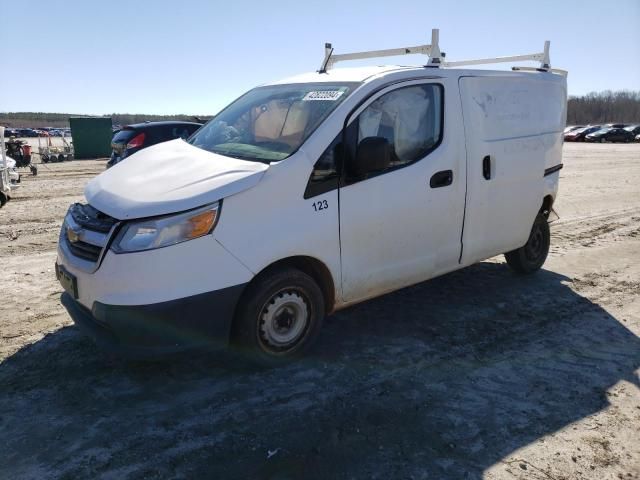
[{"x": 595, "y": 230}]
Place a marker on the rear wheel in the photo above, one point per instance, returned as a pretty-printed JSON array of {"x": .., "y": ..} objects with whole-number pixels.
[
  {"x": 279, "y": 317},
  {"x": 602, "y": 140},
  {"x": 530, "y": 257}
]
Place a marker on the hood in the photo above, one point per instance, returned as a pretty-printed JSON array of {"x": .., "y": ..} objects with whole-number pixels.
[{"x": 169, "y": 177}]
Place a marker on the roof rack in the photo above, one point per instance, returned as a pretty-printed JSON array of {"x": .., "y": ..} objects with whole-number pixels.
[{"x": 436, "y": 58}]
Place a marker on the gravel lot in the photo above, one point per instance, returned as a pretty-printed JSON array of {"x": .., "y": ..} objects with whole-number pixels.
[{"x": 477, "y": 374}]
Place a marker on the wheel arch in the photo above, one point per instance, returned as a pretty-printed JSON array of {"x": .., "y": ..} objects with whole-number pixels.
[
  {"x": 547, "y": 205},
  {"x": 313, "y": 267}
]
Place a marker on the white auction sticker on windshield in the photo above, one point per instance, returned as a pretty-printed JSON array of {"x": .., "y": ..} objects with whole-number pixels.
[{"x": 331, "y": 95}]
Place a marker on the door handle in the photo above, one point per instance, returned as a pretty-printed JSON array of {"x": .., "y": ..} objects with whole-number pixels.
[
  {"x": 441, "y": 179},
  {"x": 486, "y": 167}
]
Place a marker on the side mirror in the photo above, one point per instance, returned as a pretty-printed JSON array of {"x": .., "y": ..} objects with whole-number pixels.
[{"x": 373, "y": 155}]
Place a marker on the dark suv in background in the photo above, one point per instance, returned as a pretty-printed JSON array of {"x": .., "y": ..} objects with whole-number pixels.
[{"x": 135, "y": 137}]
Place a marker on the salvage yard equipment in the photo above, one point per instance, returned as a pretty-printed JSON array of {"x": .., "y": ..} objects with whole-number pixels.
[
  {"x": 312, "y": 194},
  {"x": 20, "y": 151},
  {"x": 48, "y": 153},
  {"x": 6, "y": 185}
]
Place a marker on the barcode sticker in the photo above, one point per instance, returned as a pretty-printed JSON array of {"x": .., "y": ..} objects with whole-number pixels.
[{"x": 330, "y": 95}]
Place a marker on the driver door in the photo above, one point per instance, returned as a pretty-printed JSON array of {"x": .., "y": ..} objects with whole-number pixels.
[{"x": 401, "y": 221}]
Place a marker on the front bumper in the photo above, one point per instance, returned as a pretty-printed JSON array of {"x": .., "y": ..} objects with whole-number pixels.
[
  {"x": 202, "y": 320},
  {"x": 154, "y": 301}
]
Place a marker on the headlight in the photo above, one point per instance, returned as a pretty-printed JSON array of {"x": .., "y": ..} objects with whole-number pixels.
[{"x": 164, "y": 231}]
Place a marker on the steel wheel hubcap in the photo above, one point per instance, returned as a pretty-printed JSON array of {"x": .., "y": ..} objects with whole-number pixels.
[{"x": 283, "y": 320}]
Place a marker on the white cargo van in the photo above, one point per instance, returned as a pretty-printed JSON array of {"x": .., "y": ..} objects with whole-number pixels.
[{"x": 314, "y": 193}]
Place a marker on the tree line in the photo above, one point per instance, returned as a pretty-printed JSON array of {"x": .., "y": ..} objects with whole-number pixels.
[
  {"x": 604, "y": 107},
  {"x": 593, "y": 108}
]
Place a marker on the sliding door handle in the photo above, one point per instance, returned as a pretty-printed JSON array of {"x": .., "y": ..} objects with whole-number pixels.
[
  {"x": 486, "y": 167},
  {"x": 441, "y": 179}
]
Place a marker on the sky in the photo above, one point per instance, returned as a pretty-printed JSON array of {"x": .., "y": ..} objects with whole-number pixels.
[{"x": 196, "y": 56}]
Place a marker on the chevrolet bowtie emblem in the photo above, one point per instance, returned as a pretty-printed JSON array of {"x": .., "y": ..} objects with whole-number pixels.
[{"x": 73, "y": 235}]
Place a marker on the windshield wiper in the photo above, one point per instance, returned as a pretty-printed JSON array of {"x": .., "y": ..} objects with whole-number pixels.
[{"x": 240, "y": 157}]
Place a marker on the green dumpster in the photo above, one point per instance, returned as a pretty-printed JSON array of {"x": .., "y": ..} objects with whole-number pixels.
[{"x": 91, "y": 136}]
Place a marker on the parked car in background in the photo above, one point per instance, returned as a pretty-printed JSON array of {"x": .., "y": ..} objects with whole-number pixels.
[
  {"x": 579, "y": 134},
  {"x": 27, "y": 132},
  {"x": 133, "y": 138},
  {"x": 610, "y": 135},
  {"x": 634, "y": 129},
  {"x": 571, "y": 128}
]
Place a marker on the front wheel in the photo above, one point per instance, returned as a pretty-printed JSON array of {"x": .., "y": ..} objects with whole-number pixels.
[
  {"x": 532, "y": 255},
  {"x": 279, "y": 317}
]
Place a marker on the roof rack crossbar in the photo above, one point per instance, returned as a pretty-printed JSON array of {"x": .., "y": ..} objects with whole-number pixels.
[
  {"x": 542, "y": 57},
  {"x": 432, "y": 50},
  {"x": 436, "y": 58}
]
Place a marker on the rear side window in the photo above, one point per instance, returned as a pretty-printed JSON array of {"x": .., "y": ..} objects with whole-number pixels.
[
  {"x": 179, "y": 131},
  {"x": 123, "y": 136},
  {"x": 410, "y": 118}
]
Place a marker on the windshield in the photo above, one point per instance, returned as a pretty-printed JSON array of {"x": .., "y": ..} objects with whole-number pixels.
[{"x": 268, "y": 124}]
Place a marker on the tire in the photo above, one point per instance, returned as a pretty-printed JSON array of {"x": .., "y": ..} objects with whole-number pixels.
[
  {"x": 34, "y": 170},
  {"x": 3, "y": 199},
  {"x": 279, "y": 317},
  {"x": 45, "y": 158},
  {"x": 530, "y": 257},
  {"x": 602, "y": 140}
]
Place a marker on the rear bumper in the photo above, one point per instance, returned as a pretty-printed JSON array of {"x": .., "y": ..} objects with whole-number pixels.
[{"x": 202, "y": 320}]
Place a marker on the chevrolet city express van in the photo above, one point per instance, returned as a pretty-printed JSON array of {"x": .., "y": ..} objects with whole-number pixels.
[{"x": 311, "y": 194}]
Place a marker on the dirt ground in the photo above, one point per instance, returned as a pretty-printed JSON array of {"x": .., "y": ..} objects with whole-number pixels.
[{"x": 477, "y": 374}]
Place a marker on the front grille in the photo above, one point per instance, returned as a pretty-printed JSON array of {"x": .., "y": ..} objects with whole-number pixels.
[
  {"x": 86, "y": 233},
  {"x": 88, "y": 217},
  {"x": 85, "y": 250}
]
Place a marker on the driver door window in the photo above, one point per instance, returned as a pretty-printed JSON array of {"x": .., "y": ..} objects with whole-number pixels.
[{"x": 408, "y": 120}]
